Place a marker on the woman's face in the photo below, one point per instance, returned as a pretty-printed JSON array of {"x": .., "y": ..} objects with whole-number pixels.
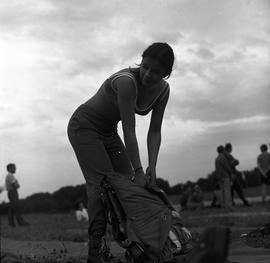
[{"x": 151, "y": 72}]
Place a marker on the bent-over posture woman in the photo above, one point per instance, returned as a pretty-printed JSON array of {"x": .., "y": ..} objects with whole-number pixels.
[{"x": 92, "y": 131}]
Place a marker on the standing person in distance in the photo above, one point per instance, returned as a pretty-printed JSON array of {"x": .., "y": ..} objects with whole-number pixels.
[
  {"x": 263, "y": 164},
  {"x": 223, "y": 173},
  {"x": 12, "y": 186},
  {"x": 92, "y": 131},
  {"x": 235, "y": 181}
]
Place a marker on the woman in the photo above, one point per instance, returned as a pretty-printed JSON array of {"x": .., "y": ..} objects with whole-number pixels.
[{"x": 92, "y": 130}]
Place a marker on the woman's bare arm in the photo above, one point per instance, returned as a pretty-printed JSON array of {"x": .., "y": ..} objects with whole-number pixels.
[
  {"x": 126, "y": 96},
  {"x": 154, "y": 137}
]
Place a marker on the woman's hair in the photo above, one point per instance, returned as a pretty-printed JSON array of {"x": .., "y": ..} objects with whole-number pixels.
[{"x": 163, "y": 53}]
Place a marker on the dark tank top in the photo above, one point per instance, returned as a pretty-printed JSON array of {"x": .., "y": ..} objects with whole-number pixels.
[{"x": 102, "y": 109}]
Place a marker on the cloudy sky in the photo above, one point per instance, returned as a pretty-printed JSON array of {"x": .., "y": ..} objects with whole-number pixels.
[{"x": 55, "y": 55}]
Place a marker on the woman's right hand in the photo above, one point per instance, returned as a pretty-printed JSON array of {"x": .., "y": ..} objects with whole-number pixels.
[{"x": 140, "y": 178}]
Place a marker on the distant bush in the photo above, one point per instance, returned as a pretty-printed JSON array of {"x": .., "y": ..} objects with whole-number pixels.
[
  {"x": 62, "y": 200},
  {"x": 66, "y": 197}
]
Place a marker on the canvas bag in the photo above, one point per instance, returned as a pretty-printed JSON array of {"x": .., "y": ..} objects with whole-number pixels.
[{"x": 149, "y": 218}]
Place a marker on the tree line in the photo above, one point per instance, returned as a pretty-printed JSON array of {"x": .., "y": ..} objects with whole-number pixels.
[
  {"x": 62, "y": 200},
  {"x": 66, "y": 198}
]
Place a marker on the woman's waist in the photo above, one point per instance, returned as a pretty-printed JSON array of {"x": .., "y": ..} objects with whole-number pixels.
[{"x": 89, "y": 117}]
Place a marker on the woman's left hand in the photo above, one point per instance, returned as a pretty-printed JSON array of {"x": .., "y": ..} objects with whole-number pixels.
[{"x": 151, "y": 174}]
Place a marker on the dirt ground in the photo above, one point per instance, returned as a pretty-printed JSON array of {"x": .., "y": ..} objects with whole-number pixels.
[
  {"x": 238, "y": 251},
  {"x": 241, "y": 253},
  {"x": 40, "y": 239}
]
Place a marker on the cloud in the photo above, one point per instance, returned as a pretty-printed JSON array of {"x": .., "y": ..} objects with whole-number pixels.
[
  {"x": 56, "y": 54},
  {"x": 204, "y": 53},
  {"x": 233, "y": 85}
]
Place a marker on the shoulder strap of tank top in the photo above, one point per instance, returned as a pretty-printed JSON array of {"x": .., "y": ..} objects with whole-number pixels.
[{"x": 123, "y": 74}]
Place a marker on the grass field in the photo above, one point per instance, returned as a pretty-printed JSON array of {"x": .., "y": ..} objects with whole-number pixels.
[
  {"x": 50, "y": 238},
  {"x": 47, "y": 227},
  {"x": 60, "y": 238},
  {"x": 64, "y": 227},
  {"x": 250, "y": 192}
]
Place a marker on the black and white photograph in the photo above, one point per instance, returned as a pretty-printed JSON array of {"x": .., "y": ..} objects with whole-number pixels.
[{"x": 135, "y": 131}]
